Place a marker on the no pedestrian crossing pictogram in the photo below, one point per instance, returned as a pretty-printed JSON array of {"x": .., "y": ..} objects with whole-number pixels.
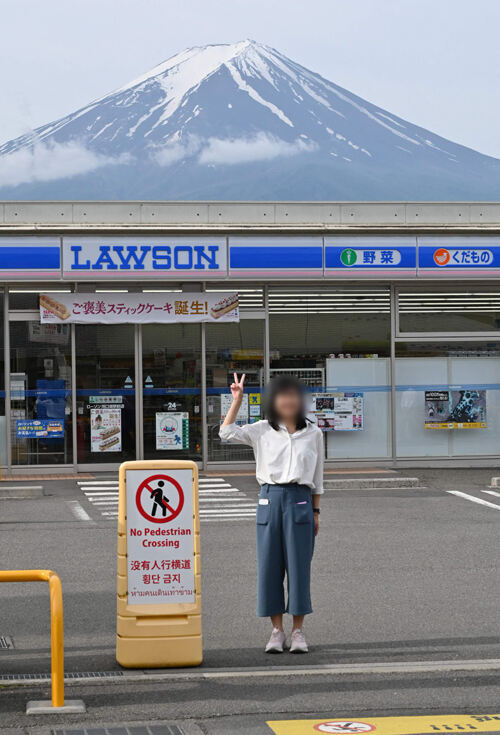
[
  {"x": 159, "y": 498},
  {"x": 338, "y": 726}
]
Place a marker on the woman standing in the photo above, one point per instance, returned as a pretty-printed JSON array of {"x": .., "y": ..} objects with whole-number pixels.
[{"x": 289, "y": 455}]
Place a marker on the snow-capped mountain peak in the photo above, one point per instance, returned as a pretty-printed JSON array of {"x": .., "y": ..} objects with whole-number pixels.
[{"x": 238, "y": 121}]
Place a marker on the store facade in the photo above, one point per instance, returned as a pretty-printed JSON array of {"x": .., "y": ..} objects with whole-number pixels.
[{"x": 395, "y": 331}]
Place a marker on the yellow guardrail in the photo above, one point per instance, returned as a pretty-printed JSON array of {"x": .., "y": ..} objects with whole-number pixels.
[{"x": 56, "y": 622}]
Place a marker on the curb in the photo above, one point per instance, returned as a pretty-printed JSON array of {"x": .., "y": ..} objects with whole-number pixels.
[
  {"x": 368, "y": 668},
  {"x": 11, "y": 492}
]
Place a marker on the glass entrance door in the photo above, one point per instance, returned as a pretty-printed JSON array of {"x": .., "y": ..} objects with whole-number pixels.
[
  {"x": 171, "y": 376},
  {"x": 105, "y": 393}
]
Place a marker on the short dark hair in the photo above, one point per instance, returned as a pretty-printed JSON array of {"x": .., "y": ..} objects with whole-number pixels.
[{"x": 277, "y": 386}]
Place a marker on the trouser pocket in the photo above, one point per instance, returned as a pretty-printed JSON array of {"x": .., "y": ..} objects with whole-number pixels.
[
  {"x": 302, "y": 512},
  {"x": 263, "y": 513}
]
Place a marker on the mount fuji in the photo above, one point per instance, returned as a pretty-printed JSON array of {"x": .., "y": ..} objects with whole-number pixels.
[{"x": 239, "y": 121}]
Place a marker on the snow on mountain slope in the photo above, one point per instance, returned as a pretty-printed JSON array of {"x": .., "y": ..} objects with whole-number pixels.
[{"x": 239, "y": 121}]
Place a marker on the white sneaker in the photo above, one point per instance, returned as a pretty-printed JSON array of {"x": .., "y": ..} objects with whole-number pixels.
[
  {"x": 276, "y": 641},
  {"x": 298, "y": 642}
]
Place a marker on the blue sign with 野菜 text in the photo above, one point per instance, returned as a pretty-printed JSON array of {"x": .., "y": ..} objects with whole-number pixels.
[
  {"x": 39, "y": 429},
  {"x": 355, "y": 257}
]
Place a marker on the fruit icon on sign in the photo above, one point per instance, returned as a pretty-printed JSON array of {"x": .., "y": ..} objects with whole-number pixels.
[
  {"x": 441, "y": 256},
  {"x": 348, "y": 257}
]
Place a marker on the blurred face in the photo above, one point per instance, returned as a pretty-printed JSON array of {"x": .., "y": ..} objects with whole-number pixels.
[{"x": 288, "y": 405}]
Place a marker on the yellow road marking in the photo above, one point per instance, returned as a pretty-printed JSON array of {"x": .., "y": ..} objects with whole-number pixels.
[{"x": 427, "y": 725}]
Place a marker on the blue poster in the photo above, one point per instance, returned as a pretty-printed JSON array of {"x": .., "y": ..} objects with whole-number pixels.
[{"x": 39, "y": 429}]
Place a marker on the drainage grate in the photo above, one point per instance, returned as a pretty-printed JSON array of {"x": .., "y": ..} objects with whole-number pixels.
[
  {"x": 6, "y": 642},
  {"x": 122, "y": 729},
  {"x": 67, "y": 675}
]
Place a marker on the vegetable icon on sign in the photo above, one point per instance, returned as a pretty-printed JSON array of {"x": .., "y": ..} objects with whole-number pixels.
[{"x": 348, "y": 257}]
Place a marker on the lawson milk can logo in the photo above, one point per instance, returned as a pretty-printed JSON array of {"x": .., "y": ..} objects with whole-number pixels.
[{"x": 365, "y": 257}]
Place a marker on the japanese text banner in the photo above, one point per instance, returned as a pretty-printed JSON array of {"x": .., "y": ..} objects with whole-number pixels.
[{"x": 138, "y": 308}]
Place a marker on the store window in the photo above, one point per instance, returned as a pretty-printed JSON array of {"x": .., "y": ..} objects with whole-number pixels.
[
  {"x": 40, "y": 389},
  {"x": 23, "y": 299},
  {"x": 458, "y": 310},
  {"x": 105, "y": 393},
  {"x": 337, "y": 341},
  {"x": 447, "y": 398},
  {"x": 237, "y": 347},
  {"x": 171, "y": 370}
]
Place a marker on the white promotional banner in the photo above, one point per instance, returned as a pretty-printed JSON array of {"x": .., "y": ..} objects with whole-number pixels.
[
  {"x": 160, "y": 536},
  {"x": 138, "y": 308}
]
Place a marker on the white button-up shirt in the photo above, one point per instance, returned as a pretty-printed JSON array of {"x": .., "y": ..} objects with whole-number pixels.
[{"x": 281, "y": 457}]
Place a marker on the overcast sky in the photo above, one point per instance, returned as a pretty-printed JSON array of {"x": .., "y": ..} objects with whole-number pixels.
[{"x": 434, "y": 62}]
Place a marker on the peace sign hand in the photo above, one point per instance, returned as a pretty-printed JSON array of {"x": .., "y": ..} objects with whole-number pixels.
[{"x": 237, "y": 388}]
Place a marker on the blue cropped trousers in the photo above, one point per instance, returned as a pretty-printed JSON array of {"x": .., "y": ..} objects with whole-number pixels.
[{"x": 285, "y": 545}]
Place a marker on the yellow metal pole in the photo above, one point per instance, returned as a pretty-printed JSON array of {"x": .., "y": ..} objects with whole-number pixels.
[
  {"x": 56, "y": 639},
  {"x": 56, "y": 622}
]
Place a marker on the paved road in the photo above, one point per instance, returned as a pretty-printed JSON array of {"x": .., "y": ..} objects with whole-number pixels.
[{"x": 399, "y": 575}]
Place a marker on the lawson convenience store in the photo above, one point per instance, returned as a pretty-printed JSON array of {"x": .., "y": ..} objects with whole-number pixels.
[{"x": 394, "y": 329}]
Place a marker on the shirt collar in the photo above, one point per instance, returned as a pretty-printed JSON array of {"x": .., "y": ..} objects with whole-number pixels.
[{"x": 295, "y": 433}]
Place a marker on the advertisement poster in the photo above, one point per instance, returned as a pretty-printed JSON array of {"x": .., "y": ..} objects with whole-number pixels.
[
  {"x": 462, "y": 408},
  {"x": 39, "y": 429},
  {"x": 105, "y": 430},
  {"x": 138, "y": 308},
  {"x": 160, "y": 536},
  {"x": 226, "y": 400},
  {"x": 338, "y": 411},
  {"x": 172, "y": 430}
]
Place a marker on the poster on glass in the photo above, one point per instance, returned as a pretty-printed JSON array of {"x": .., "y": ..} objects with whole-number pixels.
[
  {"x": 172, "y": 430},
  {"x": 226, "y": 401},
  {"x": 337, "y": 411},
  {"x": 105, "y": 429},
  {"x": 461, "y": 408}
]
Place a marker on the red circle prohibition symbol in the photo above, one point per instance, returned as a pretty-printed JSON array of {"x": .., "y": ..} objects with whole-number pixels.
[{"x": 148, "y": 485}]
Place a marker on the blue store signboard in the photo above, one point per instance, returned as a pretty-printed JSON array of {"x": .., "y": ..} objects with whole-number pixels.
[
  {"x": 30, "y": 257},
  {"x": 370, "y": 257},
  {"x": 276, "y": 256}
]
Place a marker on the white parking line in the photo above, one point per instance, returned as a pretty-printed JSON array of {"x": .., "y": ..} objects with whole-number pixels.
[
  {"x": 219, "y": 490},
  {"x": 89, "y": 483},
  {"x": 492, "y": 492},
  {"x": 221, "y": 500},
  {"x": 228, "y": 511},
  {"x": 225, "y": 519},
  {"x": 90, "y": 496},
  {"x": 473, "y": 499},
  {"x": 78, "y": 511}
]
